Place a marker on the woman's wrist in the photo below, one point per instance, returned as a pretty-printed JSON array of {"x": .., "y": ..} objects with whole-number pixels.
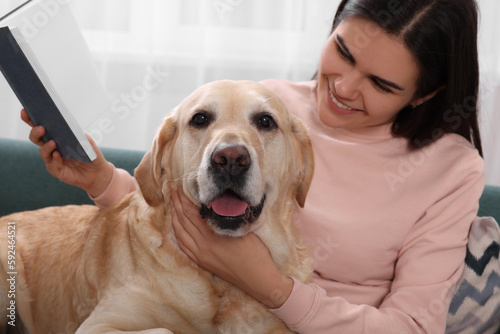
[
  {"x": 273, "y": 289},
  {"x": 280, "y": 294},
  {"x": 100, "y": 181}
]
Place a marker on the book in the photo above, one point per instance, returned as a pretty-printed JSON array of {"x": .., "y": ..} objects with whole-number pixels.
[{"x": 47, "y": 63}]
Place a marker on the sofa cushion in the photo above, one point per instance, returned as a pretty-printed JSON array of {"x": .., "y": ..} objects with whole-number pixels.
[{"x": 475, "y": 307}]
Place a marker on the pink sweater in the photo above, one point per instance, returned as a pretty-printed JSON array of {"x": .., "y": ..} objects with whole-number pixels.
[{"x": 387, "y": 227}]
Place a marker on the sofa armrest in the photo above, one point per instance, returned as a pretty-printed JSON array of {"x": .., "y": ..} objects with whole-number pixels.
[
  {"x": 26, "y": 184},
  {"x": 489, "y": 203}
]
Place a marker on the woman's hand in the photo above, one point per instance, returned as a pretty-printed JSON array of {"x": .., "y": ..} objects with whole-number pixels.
[
  {"x": 243, "y": 261},
  {"x": 93, "y": 177}
]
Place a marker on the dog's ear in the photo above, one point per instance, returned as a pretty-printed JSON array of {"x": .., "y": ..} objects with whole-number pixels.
[
  {"x": 306, "y": 161},
  {"x": 149, "y": 172}
]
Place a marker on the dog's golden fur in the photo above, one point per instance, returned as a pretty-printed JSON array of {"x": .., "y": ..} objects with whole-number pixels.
[{"x": 120, "y": 269}]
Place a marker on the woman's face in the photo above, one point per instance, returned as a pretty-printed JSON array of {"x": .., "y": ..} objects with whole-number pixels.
[{"x": 365, "y": 77}]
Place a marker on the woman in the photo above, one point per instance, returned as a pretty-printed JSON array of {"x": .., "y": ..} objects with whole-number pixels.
[{"x": 393, "y": 120}]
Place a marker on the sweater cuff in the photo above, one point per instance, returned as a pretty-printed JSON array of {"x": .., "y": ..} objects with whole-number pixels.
[
  {"x": 299, "y": 306},
  {"x": 121, "y": 184}
]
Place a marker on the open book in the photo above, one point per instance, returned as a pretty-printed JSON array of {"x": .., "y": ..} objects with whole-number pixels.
[{"x": 48, "y": 65}]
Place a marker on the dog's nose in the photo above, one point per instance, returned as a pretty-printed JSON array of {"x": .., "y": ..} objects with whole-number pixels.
[{"x": 233, "y": 159}]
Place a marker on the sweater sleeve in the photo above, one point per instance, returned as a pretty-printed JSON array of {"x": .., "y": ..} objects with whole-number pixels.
[
  {"x": 430, "y": 262},
  {"x": 121, "y": 184}
]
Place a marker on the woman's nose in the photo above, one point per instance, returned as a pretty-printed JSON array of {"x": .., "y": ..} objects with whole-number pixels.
[{"x": 347, "y": 85}]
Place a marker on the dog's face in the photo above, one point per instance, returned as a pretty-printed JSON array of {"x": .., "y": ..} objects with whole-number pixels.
[{"x": 235, "y": 149}]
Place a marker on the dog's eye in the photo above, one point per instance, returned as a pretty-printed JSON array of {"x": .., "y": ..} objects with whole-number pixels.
[
  {"x": 266, "y": 122},
  {"x": 200, "y": 120}
]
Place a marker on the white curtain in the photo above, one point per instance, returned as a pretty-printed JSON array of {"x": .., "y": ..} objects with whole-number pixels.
[{"x": 180, "y": 44}]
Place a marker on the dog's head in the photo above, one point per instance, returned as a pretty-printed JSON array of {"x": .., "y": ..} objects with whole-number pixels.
[{"x": 235, "y": 149}]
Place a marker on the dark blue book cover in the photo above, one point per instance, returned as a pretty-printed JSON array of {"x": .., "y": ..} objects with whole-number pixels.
[{"x": 35, "y": 98}]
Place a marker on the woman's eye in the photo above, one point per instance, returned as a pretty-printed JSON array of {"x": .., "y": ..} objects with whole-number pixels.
[
  {"x": 382, "y": 88},
  {"x": 200, "y": 120},
  {"x": 349, "y": 58},
  {"x": 343, "y": 54},
  {"x": 266, "y": 122}
]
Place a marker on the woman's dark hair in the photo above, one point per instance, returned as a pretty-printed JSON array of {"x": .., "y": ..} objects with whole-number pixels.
[{"x": 442, "y": 36}]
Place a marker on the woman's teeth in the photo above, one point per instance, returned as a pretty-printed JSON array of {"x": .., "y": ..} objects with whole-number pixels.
[{"x": 340, "y": 105}]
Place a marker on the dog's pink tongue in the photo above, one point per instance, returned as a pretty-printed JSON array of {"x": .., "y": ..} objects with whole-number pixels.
[{"x": 229, "y": 206}]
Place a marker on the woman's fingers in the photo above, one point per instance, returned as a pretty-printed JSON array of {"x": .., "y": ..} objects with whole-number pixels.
[
  {"x": 186, "y": 216},
  {"x": 36, "y": 134},
  {"x": 97, "y": 150},
  {"x": 192, "y": 232},
  {"x": 183, "y": 238},
  {"x": 189, "y": 208},
  {"x": 25, "y": 117},
  {"x": 46, "y": 151}
]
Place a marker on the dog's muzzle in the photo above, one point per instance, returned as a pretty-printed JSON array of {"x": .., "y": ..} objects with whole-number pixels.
[{"x": 229, "y": 210}]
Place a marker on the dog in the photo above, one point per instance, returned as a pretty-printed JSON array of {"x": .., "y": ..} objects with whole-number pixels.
[{"x": 238, "y": 154}]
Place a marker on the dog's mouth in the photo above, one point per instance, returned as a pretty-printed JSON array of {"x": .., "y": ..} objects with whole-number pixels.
[{"x": 229, "y": 212}]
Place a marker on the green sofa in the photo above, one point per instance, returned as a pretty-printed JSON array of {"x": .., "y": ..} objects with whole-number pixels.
[{"x": 26, "y": 185}]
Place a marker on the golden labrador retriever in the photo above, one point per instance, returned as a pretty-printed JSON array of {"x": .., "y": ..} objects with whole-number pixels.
[{"x": 239, "y": 155}]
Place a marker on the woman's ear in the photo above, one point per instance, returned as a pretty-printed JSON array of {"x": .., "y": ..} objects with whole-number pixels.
[{"x": 420, "y": 100}]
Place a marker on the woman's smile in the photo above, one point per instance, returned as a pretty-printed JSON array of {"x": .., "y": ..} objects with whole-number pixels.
[{"x": 338, "y": 106}]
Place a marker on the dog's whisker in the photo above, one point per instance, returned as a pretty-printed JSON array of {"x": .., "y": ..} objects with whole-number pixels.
[{"x": 187, "y": 175}]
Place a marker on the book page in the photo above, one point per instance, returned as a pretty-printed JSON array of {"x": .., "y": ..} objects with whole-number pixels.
[{"x": 51, "y": 31}]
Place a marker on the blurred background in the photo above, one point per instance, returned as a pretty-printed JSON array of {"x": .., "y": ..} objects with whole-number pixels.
[{"x": 186, "y": 43}]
